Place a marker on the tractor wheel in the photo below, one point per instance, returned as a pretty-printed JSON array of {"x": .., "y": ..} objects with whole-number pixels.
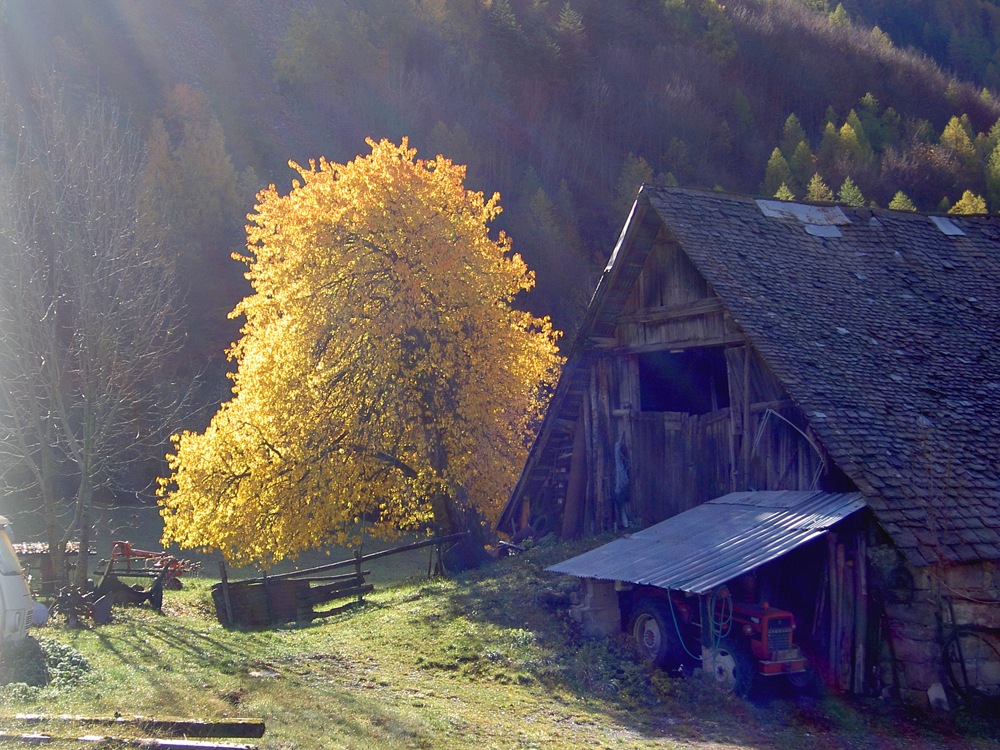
[
  {"x": 733, "y": 668},
  {"x": 652, "y": 628}
]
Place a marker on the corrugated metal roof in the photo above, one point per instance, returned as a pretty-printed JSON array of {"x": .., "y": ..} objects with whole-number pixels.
[{"x": 706, "y": 546}]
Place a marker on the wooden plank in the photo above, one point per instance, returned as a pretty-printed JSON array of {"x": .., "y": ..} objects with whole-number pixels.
[
  {"x": 325, "y": 594},
  {"x": 674, "y": 312}
]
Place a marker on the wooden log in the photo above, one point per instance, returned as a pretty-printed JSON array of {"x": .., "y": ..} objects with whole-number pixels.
[
  {"x": 154, "y": 742},
  {"x": 180, "y": 727}
]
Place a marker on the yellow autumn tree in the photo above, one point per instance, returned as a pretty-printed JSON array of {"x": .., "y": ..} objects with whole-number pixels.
[{"x": 382, "y": 372}]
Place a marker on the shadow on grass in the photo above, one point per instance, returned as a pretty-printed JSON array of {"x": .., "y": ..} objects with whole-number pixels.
[{"x": 510, "y": 622}]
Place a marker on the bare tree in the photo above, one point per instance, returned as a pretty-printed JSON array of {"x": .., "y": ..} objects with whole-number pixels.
[{"x": 88, "y": 307}]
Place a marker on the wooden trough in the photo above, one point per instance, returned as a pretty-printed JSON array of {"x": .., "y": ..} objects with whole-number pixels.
[{"x": 264, "y": 601}]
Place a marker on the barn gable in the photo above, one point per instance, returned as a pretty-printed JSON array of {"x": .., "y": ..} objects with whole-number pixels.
[{"x": 735, "y": 344}]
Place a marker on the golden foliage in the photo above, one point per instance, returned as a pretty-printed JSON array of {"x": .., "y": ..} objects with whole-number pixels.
[{"x": 381, "y": 363}]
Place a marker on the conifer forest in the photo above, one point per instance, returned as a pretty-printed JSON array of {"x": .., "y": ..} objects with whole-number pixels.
[{"x": 563, "y": 107}]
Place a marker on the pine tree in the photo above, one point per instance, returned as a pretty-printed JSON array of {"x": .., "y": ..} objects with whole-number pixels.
[
  {"x": 851, "y": 145},
  {"x": 900, "y": 202},
  {"x": 864, "y": 143},
  {"x": 818, "y": 192},
  {"x": 891, "y": 125},
  {"x": 802, "y": 163},
  {"x": 868, "y": 115},
  {"x": 970, "y": 203},
  {"x": 956, "y": 137},
  {"x": 635, "y": 173},
  {"x": 993, "y": 177},
  {"x": 777, "y": 173},
  {"x": 850, "y": 194},
  {"x": 792, "y": 136},
  {"x": 830, "y": 147},
  {"x": 570, "y": 26},
  {"x": 839, "y": 17},
  {"x": 784, "y": 194},
  {"x": 880, "y": 38}
]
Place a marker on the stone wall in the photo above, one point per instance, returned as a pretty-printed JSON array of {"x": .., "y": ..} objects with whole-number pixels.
[
  {"x": 598, "y": 613},
  {"x": 917, "y": 602}
]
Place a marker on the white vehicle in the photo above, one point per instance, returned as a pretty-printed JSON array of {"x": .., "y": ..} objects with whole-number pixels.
[{"x": 15, "y": 598}]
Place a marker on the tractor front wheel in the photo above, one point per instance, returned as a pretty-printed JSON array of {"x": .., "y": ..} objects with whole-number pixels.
[{"x": 733, "y": 668}]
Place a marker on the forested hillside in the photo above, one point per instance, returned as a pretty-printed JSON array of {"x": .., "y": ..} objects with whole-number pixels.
[
  {"x": 960, "y": 35},
  {"x": 562, "y": 107}
]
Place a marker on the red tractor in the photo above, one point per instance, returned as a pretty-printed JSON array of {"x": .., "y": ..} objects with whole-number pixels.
[{"x": 737, "y": 642}]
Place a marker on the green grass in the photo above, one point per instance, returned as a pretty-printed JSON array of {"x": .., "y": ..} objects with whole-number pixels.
[{"x": 489, "y": 659}]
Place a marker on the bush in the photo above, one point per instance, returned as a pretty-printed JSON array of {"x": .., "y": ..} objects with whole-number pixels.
[{"x": 39, "y": 662}]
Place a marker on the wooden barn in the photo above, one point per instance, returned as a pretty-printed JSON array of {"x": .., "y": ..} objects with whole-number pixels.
[{"x": 829, "y": 378}]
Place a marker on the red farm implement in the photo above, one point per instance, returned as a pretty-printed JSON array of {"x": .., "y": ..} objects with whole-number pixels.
[{"x": 161, "y": 569}]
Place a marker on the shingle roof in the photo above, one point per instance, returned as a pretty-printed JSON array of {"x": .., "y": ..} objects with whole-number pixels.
[{"x": 887, "y": 337}]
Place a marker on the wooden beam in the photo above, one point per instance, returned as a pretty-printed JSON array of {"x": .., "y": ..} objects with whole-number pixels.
[
  {"x": 775, "y": 405},
  {"x": 705, "y": 306},
  {"x": 730, "y": 339},
  {"x": 602, "y": 342}
]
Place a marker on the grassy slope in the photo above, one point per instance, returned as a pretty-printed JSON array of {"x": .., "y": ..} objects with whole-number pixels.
[{"x": 484, "y": 660}]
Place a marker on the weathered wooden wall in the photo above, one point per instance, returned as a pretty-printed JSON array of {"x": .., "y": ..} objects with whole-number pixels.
[{"x": 676, "y": 460}]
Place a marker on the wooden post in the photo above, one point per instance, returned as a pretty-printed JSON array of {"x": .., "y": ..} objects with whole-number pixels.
[
  {"x": 597, "y": 454},
  {"x": 612, "y": 518},
  {"x": 845, "y": 610},
  {"x": 267, "y": 598},
  {"x": 831, "y": 566},
  {"x": 357, "y": 571},
  {"x": 225, "y": 591},
  {"x": 576, "y": 485},
  {"x": 860, "y": 612},
  {"x": 588, "y": 506},
  {"x": 745, "y": 444},
  {"x": 706, "y": 614},
  {"x": 821, "y": 600}
]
